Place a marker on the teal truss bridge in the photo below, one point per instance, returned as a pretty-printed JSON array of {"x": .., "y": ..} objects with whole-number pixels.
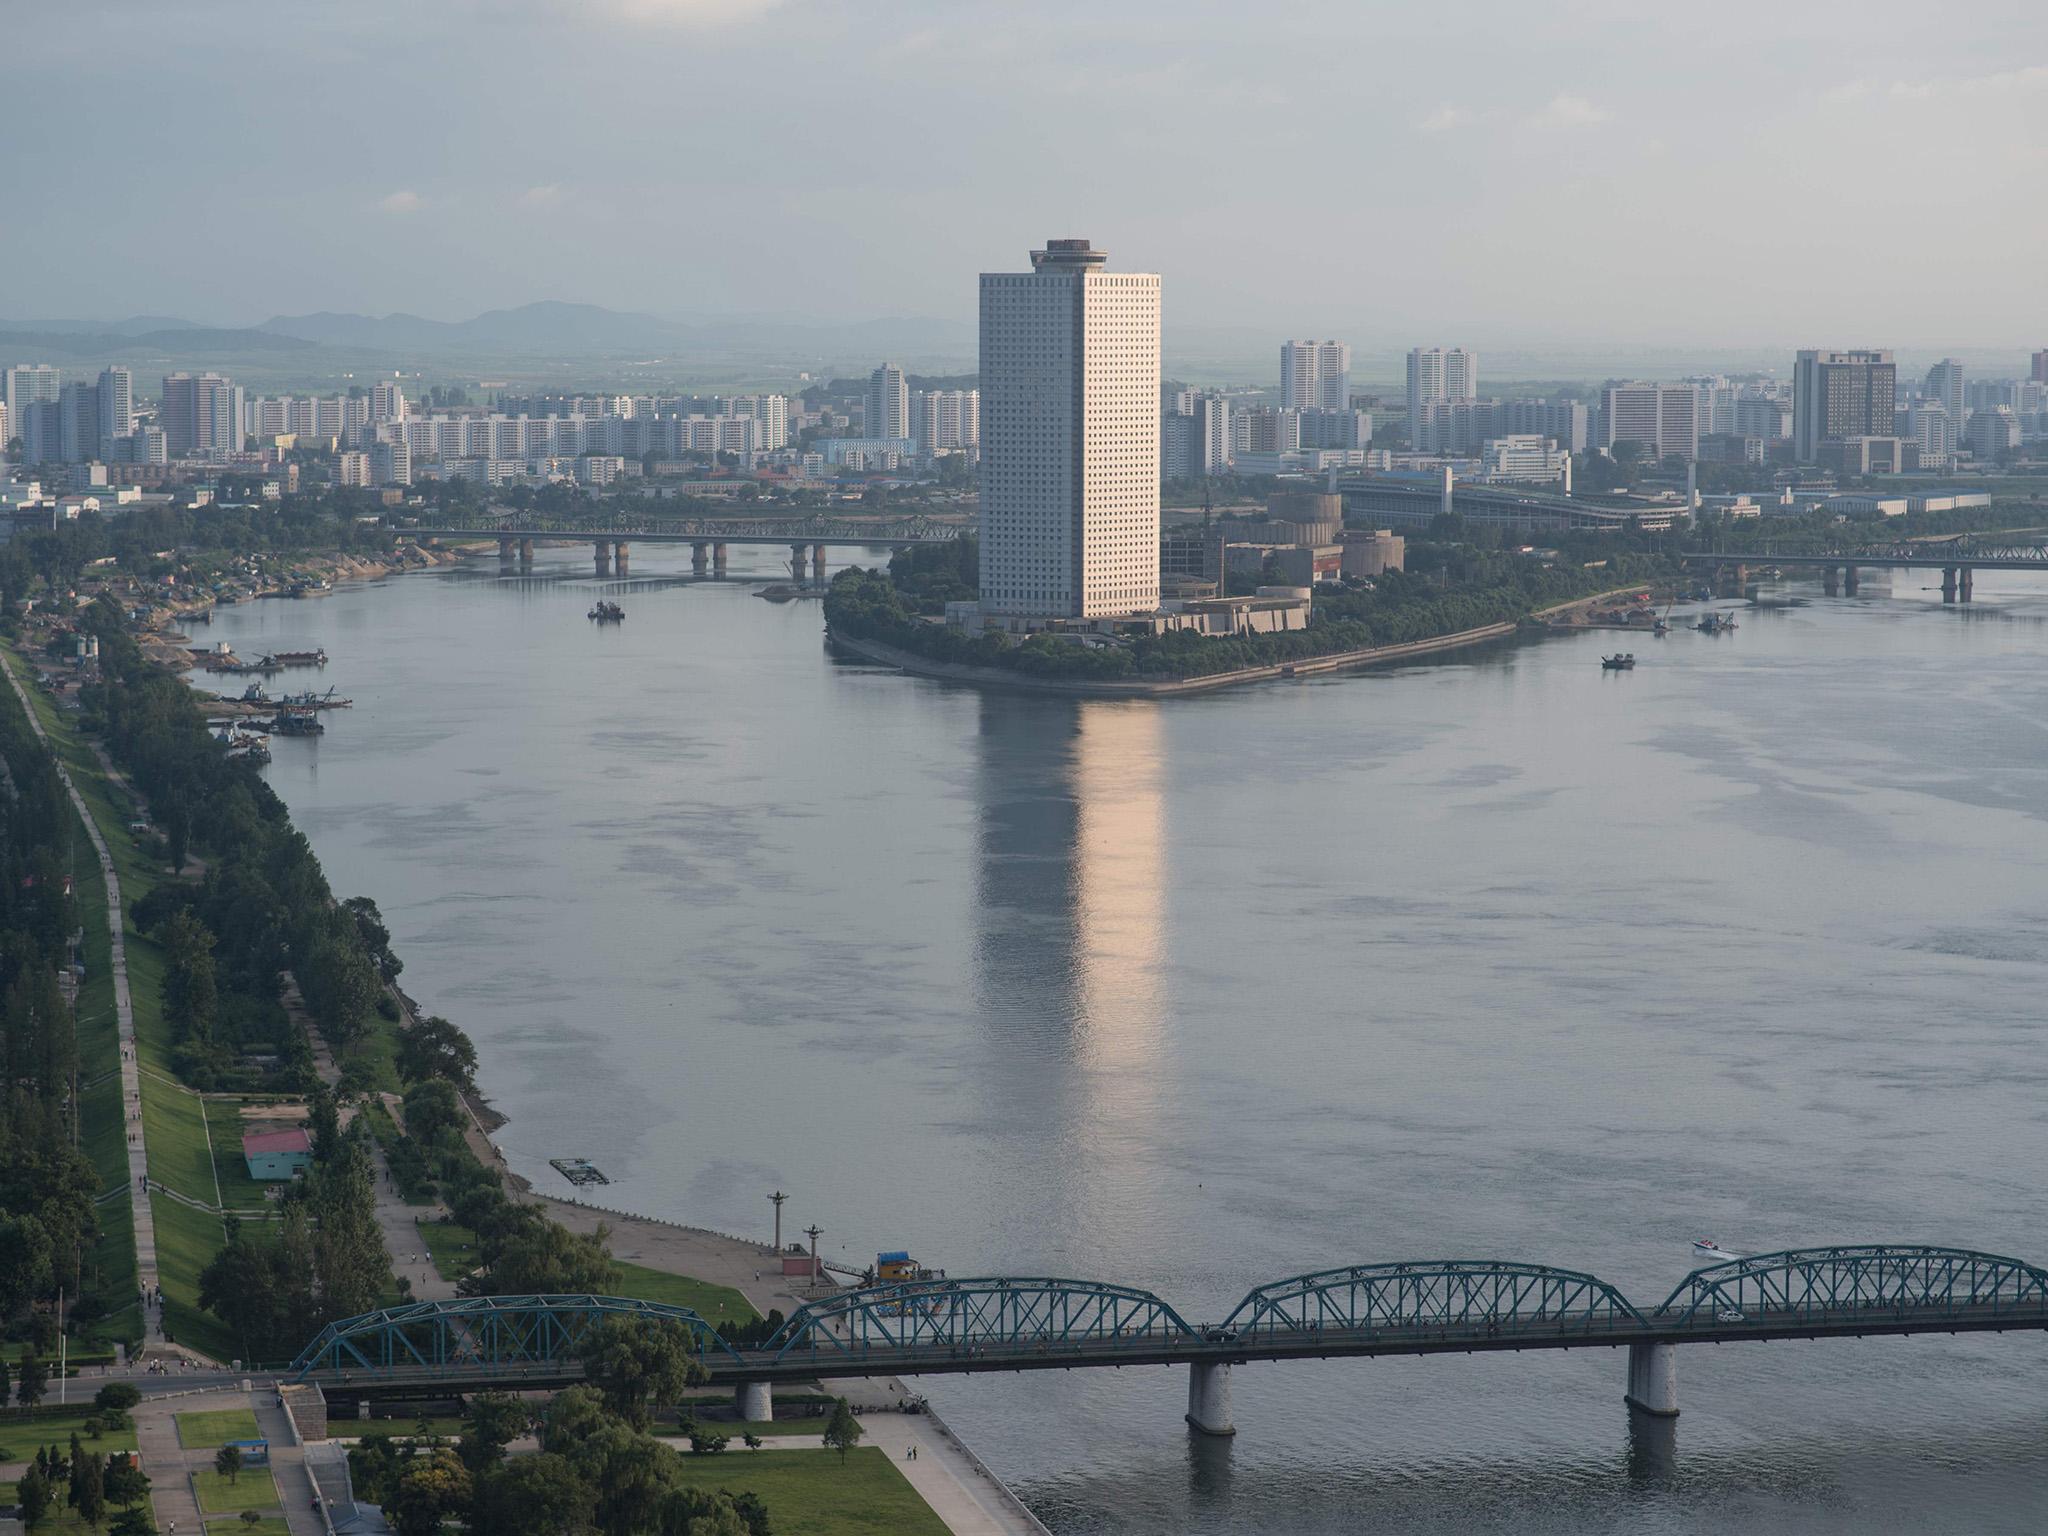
[{"x": 1011, "y": 1323}]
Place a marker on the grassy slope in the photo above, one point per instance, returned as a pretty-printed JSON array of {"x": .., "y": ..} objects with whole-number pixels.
[
  {"x": 810, "y": 1493},
  {"x": 253, "y": 1489},
  {"x": 20, "y": 1437},
  {"x": 204, "y": 1431},
  {"x": 453, "y": 1249}
]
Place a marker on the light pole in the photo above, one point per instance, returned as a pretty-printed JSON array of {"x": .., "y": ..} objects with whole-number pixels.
[
  {"x": 778, "y": 1197},
  {"x": 812, "y": 1232}
]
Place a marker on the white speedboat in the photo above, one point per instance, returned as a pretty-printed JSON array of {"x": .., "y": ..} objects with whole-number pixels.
[{"x": 1707, "y": 1251}]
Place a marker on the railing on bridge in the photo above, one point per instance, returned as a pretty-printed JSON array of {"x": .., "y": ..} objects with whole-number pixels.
[
  {"x": 1446, "y": 1293},
  {"x": 486, "y": 1332},
  {"x": 1819, "y": 1285},
  {"x": 1000, "y": 1313}
]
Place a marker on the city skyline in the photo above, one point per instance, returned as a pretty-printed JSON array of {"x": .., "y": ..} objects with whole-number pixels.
[{"x": 1590, "y": 175}]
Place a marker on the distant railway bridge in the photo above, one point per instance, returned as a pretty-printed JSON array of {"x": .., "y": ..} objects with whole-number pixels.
[{"x": 708, "y": 537}]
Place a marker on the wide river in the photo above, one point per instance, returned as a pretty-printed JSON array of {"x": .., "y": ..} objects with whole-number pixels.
[{"x": 1500, "y": 956}]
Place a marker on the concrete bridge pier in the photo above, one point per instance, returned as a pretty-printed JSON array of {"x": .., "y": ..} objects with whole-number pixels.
[
  {"x": 1653, "y": 1379},
  {"x": 1209, "y": 1399},
  {"x": 505, "y": 548},
  {"x": 700, "y": 558},
  {"x": 718, "y": 559},
  {"x": 796, "y": 562},
  {"x": 756, "y": 1401},
  {"x": 1830, "y": 580},
  {"x": 602, "y": 560},
  {"x": 1948, "y": 583},
  {"x": 1848, "y": 581},
  {"x": 1963, "y": 584},
  {"x": 621, "y": 560},
  {"x": 1652, "y": 1447},
  {"x": 526, "y": 554},
  {"x": 818, "y": 564}
]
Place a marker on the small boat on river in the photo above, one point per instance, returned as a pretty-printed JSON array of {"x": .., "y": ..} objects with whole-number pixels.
[
  {"x": 1715, "y": 624},
  {"x": 608, "y": 612},
  {"x": 1623, "y": 661}
]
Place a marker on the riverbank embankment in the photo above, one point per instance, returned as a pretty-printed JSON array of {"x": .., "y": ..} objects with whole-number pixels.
[{"x": 1149, "y": 688}]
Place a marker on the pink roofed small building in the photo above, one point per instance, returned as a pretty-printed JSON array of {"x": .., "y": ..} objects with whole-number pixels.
[{"x": 277, "y": 1154}]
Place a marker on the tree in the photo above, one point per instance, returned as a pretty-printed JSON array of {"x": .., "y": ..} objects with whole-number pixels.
[
  {"x": 190, "y": 993},
  {"x": 695, "y": 1512},
  {"x": 842, "y": 1430},
  {"x": 116, "y": 1397},
  {"x": 375, "y": 936},
  {"x": 541, "y": 1495},
  {"x": 32, "y": 1493},
  {"x": 435, "y": 1486},
  {"x": 5, "y": 1381},
  {"x": 638, "y": 1363},
  {"x": 492, "y": 1421},
  {"x": 31, "y": 1378},
  {"x": 349, "y": 1259},
  {"x": 227, "y": 1461},
  {"x": 751, "y": 1440},
  {"x": 251, "y": 1518},
  {"x": 374, "y": 1466},
  {"x": 91, "y": 1501},
  {"x": 434, "y": 1048},
  {"x": 126, "y": 1482},
  {"x": 704, "y": 1443},
  {"x": 133, "y": 1521}
]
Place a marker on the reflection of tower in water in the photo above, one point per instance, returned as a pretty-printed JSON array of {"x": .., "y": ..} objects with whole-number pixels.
[{"x": 1068, "y": 964}]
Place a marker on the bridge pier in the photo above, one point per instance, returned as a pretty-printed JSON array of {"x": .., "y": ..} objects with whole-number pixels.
[
  {"x": 603, "y": 558},
  {"x": 1948, "y": 583},
  {"x": 1848, "y": 581},
  {"x": 505, "y": 551},
  {"x": 526, "y": 554},
  {"x": 1830, "y": 580},
  {"x": 700, "y": 557},
  {"x": 818, "y": 564},
  {"x": 718, "y": 559},
  {"x": 755, "y": 1401},
  {"x": 796, "y": 562},
  {"x": 621, "y": 560},
  {"x": 1653, "y": 1379},
  {"x": 1209, "y": 1399},
  {"x": 1964, "y": 584}
]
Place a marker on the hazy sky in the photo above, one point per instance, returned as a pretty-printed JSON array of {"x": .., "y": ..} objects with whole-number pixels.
[{"x": 1813, "y": 172}]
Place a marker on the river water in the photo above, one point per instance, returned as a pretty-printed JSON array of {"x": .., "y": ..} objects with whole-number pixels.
[{"x": 1497, "y": 956}]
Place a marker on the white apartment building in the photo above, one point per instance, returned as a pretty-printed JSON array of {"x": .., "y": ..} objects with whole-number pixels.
[
  {"x": 25, "y": 385},
  {"x": 1663, "y": 419},
  {"x": 1930, "y": 425},
  {"x": 1070, "y": 437},
  {"x": 391, "y": 463},
  {"x": 1945, "y": 383},
  {"x": 888, "y": 409},
  {"x": 387, "y": 401},
  {"x": 1434, "y": 375},
  {"x": 946, "y": 421},
  {"x": 1525, "y": 458},
  {"x": 1315, "y": 376},
  {"x": 352, "y": 467}
]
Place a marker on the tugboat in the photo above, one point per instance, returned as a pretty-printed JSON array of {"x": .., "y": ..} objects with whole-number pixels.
[
  {"x": 1715, "y": 624},
  {"x": 608, "y": 612},
  {"x": 298, "y": 723},
  {"x": 1622, "y": 661}
]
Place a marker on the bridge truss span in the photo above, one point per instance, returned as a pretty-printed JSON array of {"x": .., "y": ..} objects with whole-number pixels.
[
  {"x": 487, "y": 1334},
  {"x": 1005, "y": 1314},
  {"x": 1436, "y": 1294},
  {"x": 1871, "y": 1283}
]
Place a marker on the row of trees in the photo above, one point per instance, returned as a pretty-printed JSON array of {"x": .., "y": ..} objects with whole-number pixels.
[
  {"x": 47, "y": 1184},
  {"x": 598, "y": 1470}
]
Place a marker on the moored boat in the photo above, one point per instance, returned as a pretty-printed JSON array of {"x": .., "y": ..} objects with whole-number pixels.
[{"x": 1623, "y": 661}]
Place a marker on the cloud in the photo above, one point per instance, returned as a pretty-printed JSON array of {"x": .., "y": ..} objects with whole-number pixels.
[
  {"x": 2031, "y": 77},
  {"x": 1445, "y": 118},
  {"x": 541, "y": 197},
  {"x": 678, "y": 14},
  {"x": 402, "y": 201},
  {"x": 1567, "y": 111}
]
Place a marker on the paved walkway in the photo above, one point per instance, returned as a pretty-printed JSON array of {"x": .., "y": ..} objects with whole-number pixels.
[
  {"x": 124, "y": 1013},
  {"x": 287, "y": 1466}
]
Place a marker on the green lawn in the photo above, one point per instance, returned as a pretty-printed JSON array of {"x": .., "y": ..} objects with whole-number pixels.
[
  {"x": 453, "y": 1248},
  {"x": 186, "y": 1240},
  {"x": 810, "y": 1493},
  {"x": 204, "y": 1431},
  {"x": 252, "y": 1490},
  {"x": 240, "y": 1527},
  {"x": 714, "y": 1303},
  {"x": 20, "y": 1437}
]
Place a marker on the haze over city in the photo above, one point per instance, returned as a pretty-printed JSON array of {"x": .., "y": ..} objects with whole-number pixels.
[{"x": 1737, "y": 175}]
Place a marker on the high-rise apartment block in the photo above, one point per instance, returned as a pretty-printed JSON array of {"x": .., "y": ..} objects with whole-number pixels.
[
  {"x": 1945, "y": 383},
  {"x": 1435, "y": 377},
  {"x": 1069, "y": 437},
  {"x": 2041, "y": 366},
  {"x": 201, "y": 413},
  {"x": 1315, "y": 376},
  {"x": 945, "y": 421},
  {"x": 888, "y": 405},
  {"x": 25, "y": 385},
  {"x": 1663, "y": 420},
  {"x": 387, "y": 401},
  {"x": 1841, "y": 394}
]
